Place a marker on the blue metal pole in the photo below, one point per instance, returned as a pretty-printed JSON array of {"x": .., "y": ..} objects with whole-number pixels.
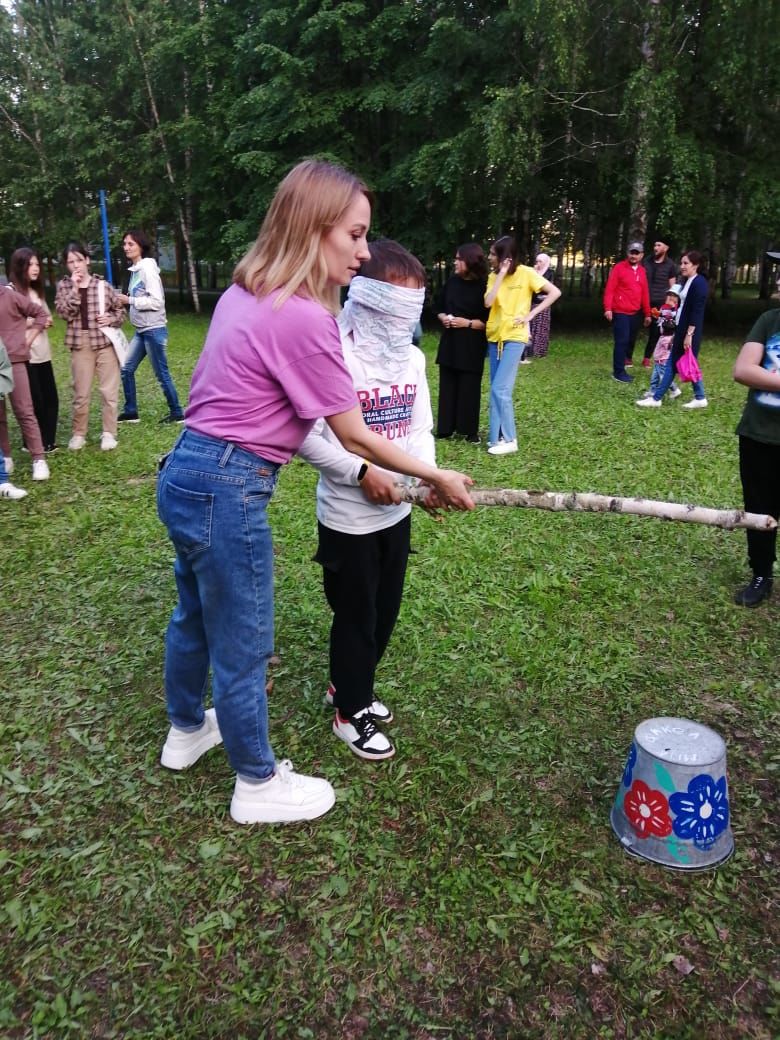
[{"x": 106, "y": 247}]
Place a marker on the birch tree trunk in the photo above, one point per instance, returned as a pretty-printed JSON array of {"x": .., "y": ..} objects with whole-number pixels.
[
  {"x": 183, "y": 226},
  {"x": 643, "y": 159},
  {"x": 589, "y": 502}
]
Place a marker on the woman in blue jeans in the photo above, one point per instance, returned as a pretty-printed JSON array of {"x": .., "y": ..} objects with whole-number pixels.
[
  {"x": 271, "y": 365},
  {"x": 146, "y": 300},
  {"x": 510, "y": 289},
  {"x": 690, "y": 324}
]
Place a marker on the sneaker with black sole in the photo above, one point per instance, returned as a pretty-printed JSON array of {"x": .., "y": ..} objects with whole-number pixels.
[
  {"x": 380, "y": 711},
  {"x": 183, "y": 748},
  {"x": 128, "y": 417},
  {"x": 759, "y": 589},
  {"x": 286, "y": 798},
  {"x": 362, "y": 736}
]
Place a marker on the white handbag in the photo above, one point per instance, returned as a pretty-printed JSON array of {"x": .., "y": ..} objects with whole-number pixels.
[{"x": 115, "y": 336}]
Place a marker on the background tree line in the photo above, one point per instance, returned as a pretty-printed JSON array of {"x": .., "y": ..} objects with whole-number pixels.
[{"x": 577, "y": 126}]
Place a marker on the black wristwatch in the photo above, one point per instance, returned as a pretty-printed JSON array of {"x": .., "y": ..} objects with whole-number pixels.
[{"x": 362, "y": 471}]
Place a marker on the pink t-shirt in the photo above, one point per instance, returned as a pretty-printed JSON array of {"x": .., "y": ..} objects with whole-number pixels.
[{"x": 265, "y": 375}]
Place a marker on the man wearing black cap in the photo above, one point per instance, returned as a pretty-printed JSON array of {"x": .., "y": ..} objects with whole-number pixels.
[
  {"x": 661, "y": 276},
  {"x": 626, "y": 299}
]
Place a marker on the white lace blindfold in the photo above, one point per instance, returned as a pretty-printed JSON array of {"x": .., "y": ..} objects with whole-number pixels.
[{"x": 381, "y": 318}]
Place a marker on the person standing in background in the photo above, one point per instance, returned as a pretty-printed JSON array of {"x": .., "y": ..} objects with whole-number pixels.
[
  {"x": 146, "y": 299},
  {"x": 690, "y": 325},
  {"x": 15, "y": 309},
  {"x": 7, "y": 489},
  {"x": 540, "y": 326},
  {"x": 78, "y": 301},
  {"x": 626, "y": 299},
  {"x": 462, "y": 347},
  {"x": 25, "y": 272},
  {"x": 661, "y": 274},
  {"x": 509, "y": 290}
]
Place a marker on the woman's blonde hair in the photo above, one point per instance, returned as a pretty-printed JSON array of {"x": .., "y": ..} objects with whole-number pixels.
[{"x": 287, "y": 254}]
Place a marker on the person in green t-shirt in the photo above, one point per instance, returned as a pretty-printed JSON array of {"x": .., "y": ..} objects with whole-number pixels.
[{"x": 758, "y": 368}]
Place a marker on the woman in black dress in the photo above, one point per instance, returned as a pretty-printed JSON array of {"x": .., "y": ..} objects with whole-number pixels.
[{"x": 462, "y": 347}]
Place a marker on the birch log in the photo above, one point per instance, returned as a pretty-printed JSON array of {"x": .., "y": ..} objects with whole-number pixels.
[{"x": 587, "y": 502}]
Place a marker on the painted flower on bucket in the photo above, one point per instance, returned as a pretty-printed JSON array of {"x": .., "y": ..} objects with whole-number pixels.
[
  {"x": 647, "y": 811},
  {"x": 703, "y": 813},
  {"x": 628, "y": 772}
]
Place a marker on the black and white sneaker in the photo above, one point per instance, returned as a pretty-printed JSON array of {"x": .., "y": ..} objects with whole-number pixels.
[
  {"x": 361, "y": 735},
  {"x": 379, "y": 711}
]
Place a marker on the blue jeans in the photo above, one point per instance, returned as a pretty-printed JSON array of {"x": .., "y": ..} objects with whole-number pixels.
[
  {"x": 659, "y": 367},
  {"x": 212, "y": 497},
  {"x": 624, "y": 331},
  {"x": 151, "y": 342},
  {"x": 503, "y": 372}
]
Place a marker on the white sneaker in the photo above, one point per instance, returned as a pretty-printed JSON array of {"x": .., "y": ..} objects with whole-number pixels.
[
  {"x": 648, "y": 402},
  {"x": 503, "y": 448},
  {"x": 674, "y": 391},
  {"x": 361, "y": 735},
  {"x": 182, "y": 749},
  {"x": 7, "y": 490},
  {"x": 77, "y": 442},
  {"x": 40, "y": 470},
  {"x": 9, "y": 464},
  {"x": 107, "y": 442},
  {"x": 285, "y": 798},
  {"x": 380, "y": 711},
  {"x": 697, "y": 402}
]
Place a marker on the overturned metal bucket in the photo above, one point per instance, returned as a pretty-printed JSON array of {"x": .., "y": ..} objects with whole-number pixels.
[{"x": 672, "y": 806}]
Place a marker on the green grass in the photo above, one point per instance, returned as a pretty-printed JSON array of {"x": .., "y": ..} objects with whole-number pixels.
[{"x": 471, "y": 887}]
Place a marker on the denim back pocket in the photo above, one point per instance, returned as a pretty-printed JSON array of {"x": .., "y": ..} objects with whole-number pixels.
[{"x": 187, "y": 515}]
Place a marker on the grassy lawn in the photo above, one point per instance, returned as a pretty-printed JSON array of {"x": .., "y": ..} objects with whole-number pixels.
[{"x": 472, "y": 886}]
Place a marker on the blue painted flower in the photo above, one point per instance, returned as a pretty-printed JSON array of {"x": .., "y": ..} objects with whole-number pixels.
[
  {"x": 628, "y": 772},
  {"x": 703, "y": 813}
]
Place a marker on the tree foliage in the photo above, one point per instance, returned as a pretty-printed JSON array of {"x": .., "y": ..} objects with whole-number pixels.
[{"x": 574, "y": 125}]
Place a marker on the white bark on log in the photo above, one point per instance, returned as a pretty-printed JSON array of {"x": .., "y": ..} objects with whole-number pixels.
[{"x": 588, "y": 502}]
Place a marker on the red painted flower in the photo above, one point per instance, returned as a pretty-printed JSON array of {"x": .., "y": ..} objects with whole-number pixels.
[{"x": 647, "y": 811}]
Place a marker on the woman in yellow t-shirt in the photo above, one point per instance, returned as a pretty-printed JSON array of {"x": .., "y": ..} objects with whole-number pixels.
[{"x": 509, "y": 290}]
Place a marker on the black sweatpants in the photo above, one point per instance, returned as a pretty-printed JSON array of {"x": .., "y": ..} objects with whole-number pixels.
[
  {"x": 363, "y": 577},
  {"x": 46, "y": 402},
  {"x": 759, "y": 470}
]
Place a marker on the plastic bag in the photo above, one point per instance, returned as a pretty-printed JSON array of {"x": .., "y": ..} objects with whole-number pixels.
[{"x": 688, "y": 367}]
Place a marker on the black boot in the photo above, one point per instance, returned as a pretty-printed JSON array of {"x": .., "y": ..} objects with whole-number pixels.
[{"x": 759, "y": 589}]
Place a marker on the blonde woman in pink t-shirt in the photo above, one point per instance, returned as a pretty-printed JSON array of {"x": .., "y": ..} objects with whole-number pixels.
[{"x": 271, "y": 365}]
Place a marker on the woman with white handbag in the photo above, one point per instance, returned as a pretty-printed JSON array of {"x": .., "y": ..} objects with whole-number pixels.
[{"x": 94, "y": 314}]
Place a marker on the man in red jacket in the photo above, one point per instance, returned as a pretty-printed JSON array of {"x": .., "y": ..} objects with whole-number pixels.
[{"x": 626, "y": 299}]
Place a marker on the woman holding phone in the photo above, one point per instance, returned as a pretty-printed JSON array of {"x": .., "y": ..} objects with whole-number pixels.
[
  {"x": 78, "y": 301},
  {"x": 271, "y": 366}
]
